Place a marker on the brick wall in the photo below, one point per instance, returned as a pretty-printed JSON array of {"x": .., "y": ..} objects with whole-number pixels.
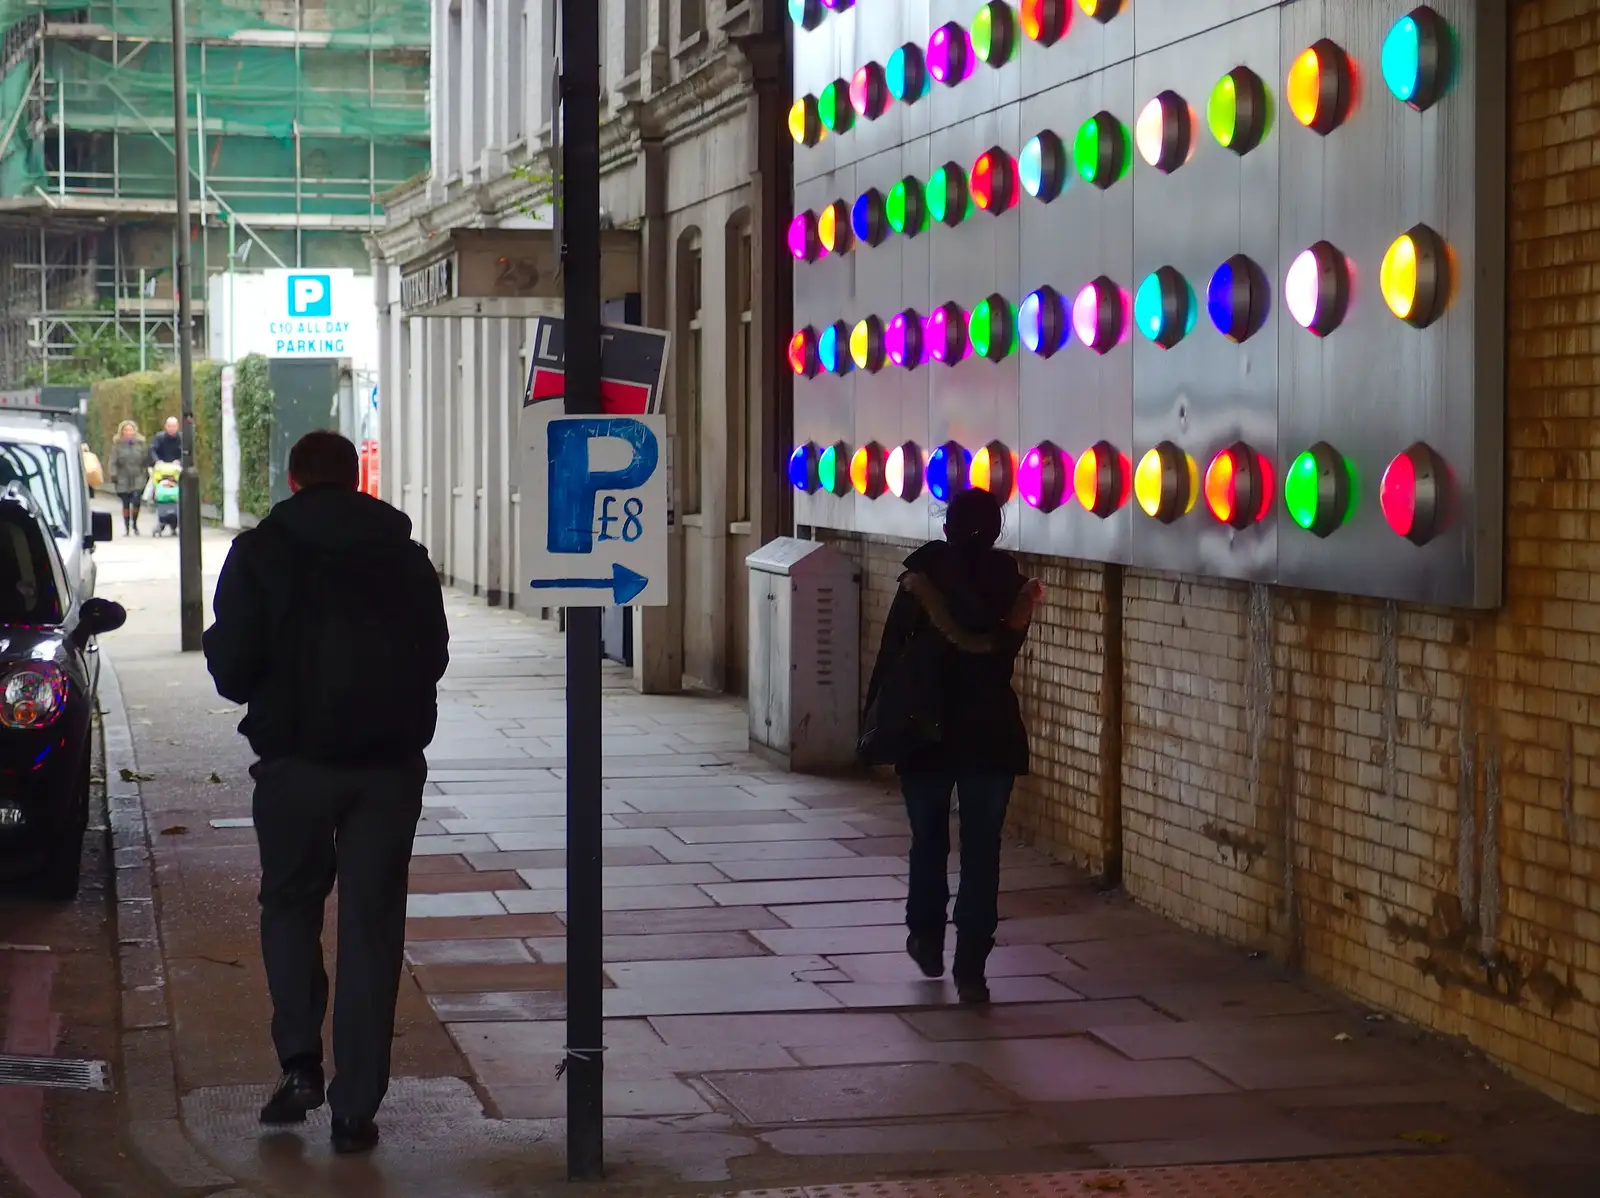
[{"x": 1403, "y": 801}]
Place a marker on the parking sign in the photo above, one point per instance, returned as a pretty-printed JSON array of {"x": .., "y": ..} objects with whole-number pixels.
[
  {"x": 594, "y": 508},
  {"x": 310, "y": 295}
]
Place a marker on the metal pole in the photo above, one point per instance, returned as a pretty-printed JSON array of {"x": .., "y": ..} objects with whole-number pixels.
[
  {"x": 143, "y": 364},
  {"x": 580, "y": 94},
  {"x": 61, "y": 137},
  {"x": 233, "y": 251},
  {"x": 191, "y": 601}
]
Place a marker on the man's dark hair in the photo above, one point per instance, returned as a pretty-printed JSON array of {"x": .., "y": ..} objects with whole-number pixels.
[{"x": 325, "y": 459}]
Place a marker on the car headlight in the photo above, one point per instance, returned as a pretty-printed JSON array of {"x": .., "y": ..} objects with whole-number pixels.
[{"x": 34, "y": 696}]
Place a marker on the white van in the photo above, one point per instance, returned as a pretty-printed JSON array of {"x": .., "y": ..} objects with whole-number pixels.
[{"x": 41, "y": 448}]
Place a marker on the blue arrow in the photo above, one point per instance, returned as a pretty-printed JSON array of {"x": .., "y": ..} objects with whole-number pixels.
[{"x": 624, "y": 584}]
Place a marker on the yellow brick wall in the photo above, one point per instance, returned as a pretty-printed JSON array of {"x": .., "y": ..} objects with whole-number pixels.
[{"x": 1403, "y": 801}]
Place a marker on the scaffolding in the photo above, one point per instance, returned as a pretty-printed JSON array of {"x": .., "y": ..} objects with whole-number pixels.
[{"x": 303, "y": 113}]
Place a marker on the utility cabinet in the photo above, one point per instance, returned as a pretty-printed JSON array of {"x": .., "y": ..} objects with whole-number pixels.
[{"x": 805, "y": 655}]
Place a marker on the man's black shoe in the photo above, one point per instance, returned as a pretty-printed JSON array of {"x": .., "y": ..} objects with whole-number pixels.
[
  {"x": 299, "y": 1092},
  {"x": 351, "y": 1136}
]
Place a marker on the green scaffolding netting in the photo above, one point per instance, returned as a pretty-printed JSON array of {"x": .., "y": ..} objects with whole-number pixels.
[
  {"x": 20, "y": 161},
  {"x": 387, "y": 22},
  {"x": 315, "y": 112}
]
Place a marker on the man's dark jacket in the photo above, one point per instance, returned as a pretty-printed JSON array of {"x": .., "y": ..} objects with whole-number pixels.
[
  {"x": 245, "y": 647},
  {"x": 166, "y": 447}
]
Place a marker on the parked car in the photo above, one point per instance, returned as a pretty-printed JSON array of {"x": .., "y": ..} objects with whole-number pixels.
[
  {"x": 43, "y": 449},
  {"x": 49, "y": 673}
]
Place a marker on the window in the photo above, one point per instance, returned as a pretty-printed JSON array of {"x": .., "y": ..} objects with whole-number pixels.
[
  {"x": 741, "y": 331},
  {"x": 633, "y": 35},
  {"x": 516, "y": 100},
  {"x": 690, "y": 399},
  {"x": 28, "y": 591},
  {"x": 691, "y": 18},
  {"x": 43, "y": 470}
]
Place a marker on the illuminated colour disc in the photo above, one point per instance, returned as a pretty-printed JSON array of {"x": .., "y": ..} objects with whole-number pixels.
[
  {"x": 828, "y": 469},
  {"x": 859, "y": 465},
  {"x": 1147, "y": 482},
  {"x": 800, "y": 468},
  {"x": 894, "y": 472},
  {"x": 1397, "y": 278},
  {"x": 800, "y": 352},
  {"x": 1305, "y": 87},
  {"x": 1397, "y": 494}
]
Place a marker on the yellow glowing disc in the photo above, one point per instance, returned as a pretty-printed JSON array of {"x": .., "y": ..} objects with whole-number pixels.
[
  {"x": 804, "y": 125},
  {"x": 1147, "y": 483},
  {"x": 858, "y": 471},
  {"x": 1305, "y": 87},
  {"x": 860, "y": 342},
  {"x": 1397, "y": 278}
]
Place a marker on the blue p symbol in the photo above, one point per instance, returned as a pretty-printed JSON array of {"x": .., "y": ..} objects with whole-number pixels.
[
  {"x": 310, "y": 295},
  {"x": 574, "y": 487}
]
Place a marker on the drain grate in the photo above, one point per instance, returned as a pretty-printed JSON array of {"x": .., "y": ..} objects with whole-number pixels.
[{"x": 54, "y": 1073}]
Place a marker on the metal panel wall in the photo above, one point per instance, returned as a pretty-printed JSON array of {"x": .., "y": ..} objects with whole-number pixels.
[{"x": 1370, "y": 388}]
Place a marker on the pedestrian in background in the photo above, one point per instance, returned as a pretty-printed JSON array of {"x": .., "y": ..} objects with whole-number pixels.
[
  {"x": 167, "y": 445},
  {"x": 941, "y": 709},
  {"x": 130, "y": 471},
  {"x": 330, "y": 625}
]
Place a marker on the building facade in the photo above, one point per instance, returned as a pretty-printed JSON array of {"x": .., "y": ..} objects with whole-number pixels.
[
  {"x": 1397, "y": 797},
  {"x": 693, "y": 168},
  {"x": 302, "y": 112}
]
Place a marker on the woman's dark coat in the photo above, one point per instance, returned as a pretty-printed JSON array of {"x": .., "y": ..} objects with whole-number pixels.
[
  {"x": 967, "y": 601},
  {"x": 130, "y": 466}
]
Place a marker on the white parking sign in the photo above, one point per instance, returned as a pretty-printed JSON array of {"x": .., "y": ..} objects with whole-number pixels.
[{"x": 594, "y": 508}]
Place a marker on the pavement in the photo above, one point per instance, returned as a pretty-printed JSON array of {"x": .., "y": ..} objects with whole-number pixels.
[{"x": 764, "y": 1030}]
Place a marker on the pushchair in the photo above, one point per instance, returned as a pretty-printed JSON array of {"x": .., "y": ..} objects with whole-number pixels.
[{"x": 164, "y": 491}]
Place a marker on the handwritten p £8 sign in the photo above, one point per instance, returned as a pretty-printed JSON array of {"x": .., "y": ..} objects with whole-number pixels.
[{"x": 594, "y": 508}]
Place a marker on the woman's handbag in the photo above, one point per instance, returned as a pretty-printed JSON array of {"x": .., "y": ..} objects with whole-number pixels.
[{"x": 906, "y": 716}]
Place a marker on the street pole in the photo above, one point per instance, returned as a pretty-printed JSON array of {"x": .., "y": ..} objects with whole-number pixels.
[
  {"x": 585, "y": 1060},
  {"x": 191, "y": 601},
  {"x": 143, "y": 365}
]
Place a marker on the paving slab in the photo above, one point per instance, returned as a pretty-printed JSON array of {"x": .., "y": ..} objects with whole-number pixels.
[
  {"x": 917, "y": 991},
  {"x": 661, "y": 947},
  {"x": 914, "y": 1091},
  {"x": 815, "y": 867},
  {"x": 813, "y": 890},
  {"x": 617, "y": 898},
  {"x": 788, "y": 1031}
]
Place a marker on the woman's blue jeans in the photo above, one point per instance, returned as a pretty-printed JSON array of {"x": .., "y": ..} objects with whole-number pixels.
[{"x": 984, "y": 798}]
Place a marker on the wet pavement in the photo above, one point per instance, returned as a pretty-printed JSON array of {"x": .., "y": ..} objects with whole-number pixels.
[{"x": 764, "y": 1028}]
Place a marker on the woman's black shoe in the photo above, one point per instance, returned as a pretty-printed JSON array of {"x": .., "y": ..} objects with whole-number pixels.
[
  {"x": 973, "y": 992},
  {"x": 971, "y": 957},
  {"x": 928, "y": 955},
  {"x": 299, "y": 1092},
  {"x": 351, "y": 1136}
]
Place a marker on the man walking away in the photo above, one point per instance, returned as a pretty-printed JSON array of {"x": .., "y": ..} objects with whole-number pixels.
[
  {"x": 167, "y": 445},
  {"x": 330, "y": 625}
]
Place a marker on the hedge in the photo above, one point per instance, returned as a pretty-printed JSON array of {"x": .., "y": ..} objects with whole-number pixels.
[{"x": 148, "y": 398}]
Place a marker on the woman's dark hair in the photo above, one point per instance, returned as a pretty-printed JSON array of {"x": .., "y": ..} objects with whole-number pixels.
[{"x": 972, "y": 521}]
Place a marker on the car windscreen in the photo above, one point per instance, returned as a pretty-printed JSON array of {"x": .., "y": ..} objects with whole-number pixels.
[
  {"x": 28, "y": 592},
  {"x": 43, "y": 470}
]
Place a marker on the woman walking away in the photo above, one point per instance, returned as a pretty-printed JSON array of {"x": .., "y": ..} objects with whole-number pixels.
[
  {"x": 940, "y": 708},
  {"x": 130, "y": 471}
]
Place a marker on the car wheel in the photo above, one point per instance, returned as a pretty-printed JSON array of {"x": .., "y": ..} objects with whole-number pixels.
[{"x": 59, "y": 878}]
